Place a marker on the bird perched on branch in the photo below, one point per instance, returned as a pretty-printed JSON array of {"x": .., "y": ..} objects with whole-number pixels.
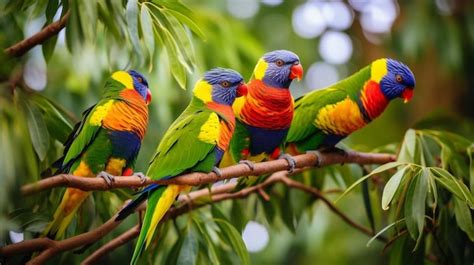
[
  {"x": 265, "y": 114},
  {"x": 324, "y": 117},
  {"x": 105, "y": 143},
  {"x": 195, "y": 141}
]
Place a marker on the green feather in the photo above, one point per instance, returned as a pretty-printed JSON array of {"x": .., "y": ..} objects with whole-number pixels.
[{"x": 303, "y": 131}]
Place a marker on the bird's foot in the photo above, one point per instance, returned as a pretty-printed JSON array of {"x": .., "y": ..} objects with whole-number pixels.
[
  {"x": 217, "y": 171},
  {"x": 249, "y": 163},
  {"x": 291, "y": 162},
  {"x": 109, "y": 179},
  {"x": 333, "y": 149},
  {"x": 141, "y": 176},
  {"x": 318, "y": 156}
]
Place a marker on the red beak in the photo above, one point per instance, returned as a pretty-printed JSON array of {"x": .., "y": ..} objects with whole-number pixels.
[
  {"x": 407, "y": 94},
  {"x": 242, "y": 90},
  {"x": 296, "y": 71},
  {"x": 148, "y": 97}
]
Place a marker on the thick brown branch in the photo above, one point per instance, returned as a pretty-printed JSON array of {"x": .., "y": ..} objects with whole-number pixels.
[
  {"x": 196, "y": 178},
  {"x": 47, "y": 32}
]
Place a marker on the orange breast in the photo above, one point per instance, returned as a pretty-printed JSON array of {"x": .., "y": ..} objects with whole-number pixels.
[{"x": 128, "y": 115}]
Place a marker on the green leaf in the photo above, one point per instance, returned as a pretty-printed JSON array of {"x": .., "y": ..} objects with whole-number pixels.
[
  {"x": 48, "y": 47},
  {"x": 211, "y": 250},
  {"x": 189, "y": 249},
  {"x": 375, "y": 171},
  {"x": 410, "y": 142},
  {"x": 463, "y": 217},
  {"x": 38, "y": 130},
  {"x": 454, "y": 185},
  {"x": 147, "y": 30},
  {"x": 415, "y": 204},
  {"x": 235, "y": 240},
  {"x": 56, "y": 119},
  {"x": 237, "y": 216},
  {"x": 132, "y": 26},
  {"x": 391, "y": 187},
  {"x": 384, "y": 229},
  {"x": 189, "y": 22}
]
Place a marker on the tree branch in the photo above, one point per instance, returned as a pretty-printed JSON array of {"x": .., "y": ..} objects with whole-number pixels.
[
  {"x": 194, "y": 179},
  {"x": 47, "y": 32},
  {"x": 221, "y": 193}
]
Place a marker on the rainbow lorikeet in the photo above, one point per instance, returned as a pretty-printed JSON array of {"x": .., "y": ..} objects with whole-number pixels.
[
  {"x": 326, "y": 116},
  {"x": 265, "y": 114},
  {"x": 105, "y": 143},
  {"x": 195, "y": 141}
]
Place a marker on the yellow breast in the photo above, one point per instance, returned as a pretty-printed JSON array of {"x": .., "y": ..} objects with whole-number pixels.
[{"x": 341, "y": 118}]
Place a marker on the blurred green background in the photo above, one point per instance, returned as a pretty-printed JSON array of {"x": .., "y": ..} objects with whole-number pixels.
[{"x": 435, "y": 38}]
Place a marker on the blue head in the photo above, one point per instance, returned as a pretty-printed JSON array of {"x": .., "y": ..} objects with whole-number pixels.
[
  {"x": 221, "y": 86},
  {"x": 278, "y": 68},
  {"x": 398, "y": 81},
  {"x": 140, "y": 85}
]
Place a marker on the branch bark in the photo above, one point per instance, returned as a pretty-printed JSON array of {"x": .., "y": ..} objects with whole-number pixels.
[
  {"x": 20, "y": 48},
  {"x": 197, "y": 178}
]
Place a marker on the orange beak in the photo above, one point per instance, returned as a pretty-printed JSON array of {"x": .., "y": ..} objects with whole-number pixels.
[
  {"x": 296, "y": 71},
  {"x": 148, "y": 97},
  {"x": 242, "y": 90},
  {"x": 407, "y": 94}
]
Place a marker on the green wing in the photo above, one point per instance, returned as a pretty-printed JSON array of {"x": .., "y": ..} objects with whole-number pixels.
[
  {"x": 240, "y": 141},
  {"x": 306, "y": 110},
  {"x": 181, "y": 150}
]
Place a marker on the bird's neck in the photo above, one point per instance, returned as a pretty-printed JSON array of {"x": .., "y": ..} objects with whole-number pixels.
[
  {"x": 372, "y": 100},
  {"x": 265, "y": 106}
]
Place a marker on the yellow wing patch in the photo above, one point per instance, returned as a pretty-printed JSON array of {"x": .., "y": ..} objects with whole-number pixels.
[
  {"x": 210, "y": 130},
  {"x": 100, "y": 112},
  {"x": 260, "y": 68},
  {"x": 83, "y": 170},
  {"x": 341, "y": 118},
  {"x": 124, "y": 78},
  {"x": 378, "y": 70},
  {"x": 203, "y": 91},
  {"x": 115, "y": 166}
]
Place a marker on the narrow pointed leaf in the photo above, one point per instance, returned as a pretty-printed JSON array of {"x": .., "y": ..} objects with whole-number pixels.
[{"x": 391, "y": 187}]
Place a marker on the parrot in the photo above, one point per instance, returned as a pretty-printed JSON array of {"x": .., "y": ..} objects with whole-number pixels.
[
  {"x": 195, "y": 141},
  {"x": 324, "y": 117},
  {"x": 265, "y": 114},
  {"x": 104, "y": 143}
]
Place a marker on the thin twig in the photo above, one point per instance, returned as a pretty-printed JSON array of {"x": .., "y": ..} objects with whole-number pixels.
[{"x": 47, "y": 32}]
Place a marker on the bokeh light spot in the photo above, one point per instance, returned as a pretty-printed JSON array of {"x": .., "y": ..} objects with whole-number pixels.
[
  {"x": 321, "y": 75},
  {"x": 338, "y": 15},
  {"x": 308, "y": 20},
  {"x": 272, "y": 2},
  {"x": 243, "y": 8},
  {"x": 378, "y": 16},
  {"x": 255, "y": 236},
  {"x": 335, "y": 47}
]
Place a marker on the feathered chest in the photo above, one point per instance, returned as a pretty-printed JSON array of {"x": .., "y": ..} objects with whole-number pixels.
[
  {"x": 225, "y": 124},
  {"x": 129, "y": 114},
  {"x": 265, "y": 107}
]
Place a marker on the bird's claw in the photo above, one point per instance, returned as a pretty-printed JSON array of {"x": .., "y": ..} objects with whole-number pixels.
[
  {"x": 291, "y": 162},
  {"x": 141, "y": 176},
  {"x": 109, "y": 178},
  {"x": 249, "y": 163},
  {"x": 217, "y": 171}
]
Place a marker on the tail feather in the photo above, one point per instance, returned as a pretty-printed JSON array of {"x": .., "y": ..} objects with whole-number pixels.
[
  {"x": 142, "y": 196},
  {"x": 159, "y": 202},
  {"x": 72, "y": 199}
]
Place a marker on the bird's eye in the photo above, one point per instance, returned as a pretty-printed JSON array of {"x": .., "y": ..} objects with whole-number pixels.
[
  {"x": 399, "y": 78},
  {"x": 225, "y": 84},
  {"x": 140, "y": 80},
  {"x": 279, "y": 62}
]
